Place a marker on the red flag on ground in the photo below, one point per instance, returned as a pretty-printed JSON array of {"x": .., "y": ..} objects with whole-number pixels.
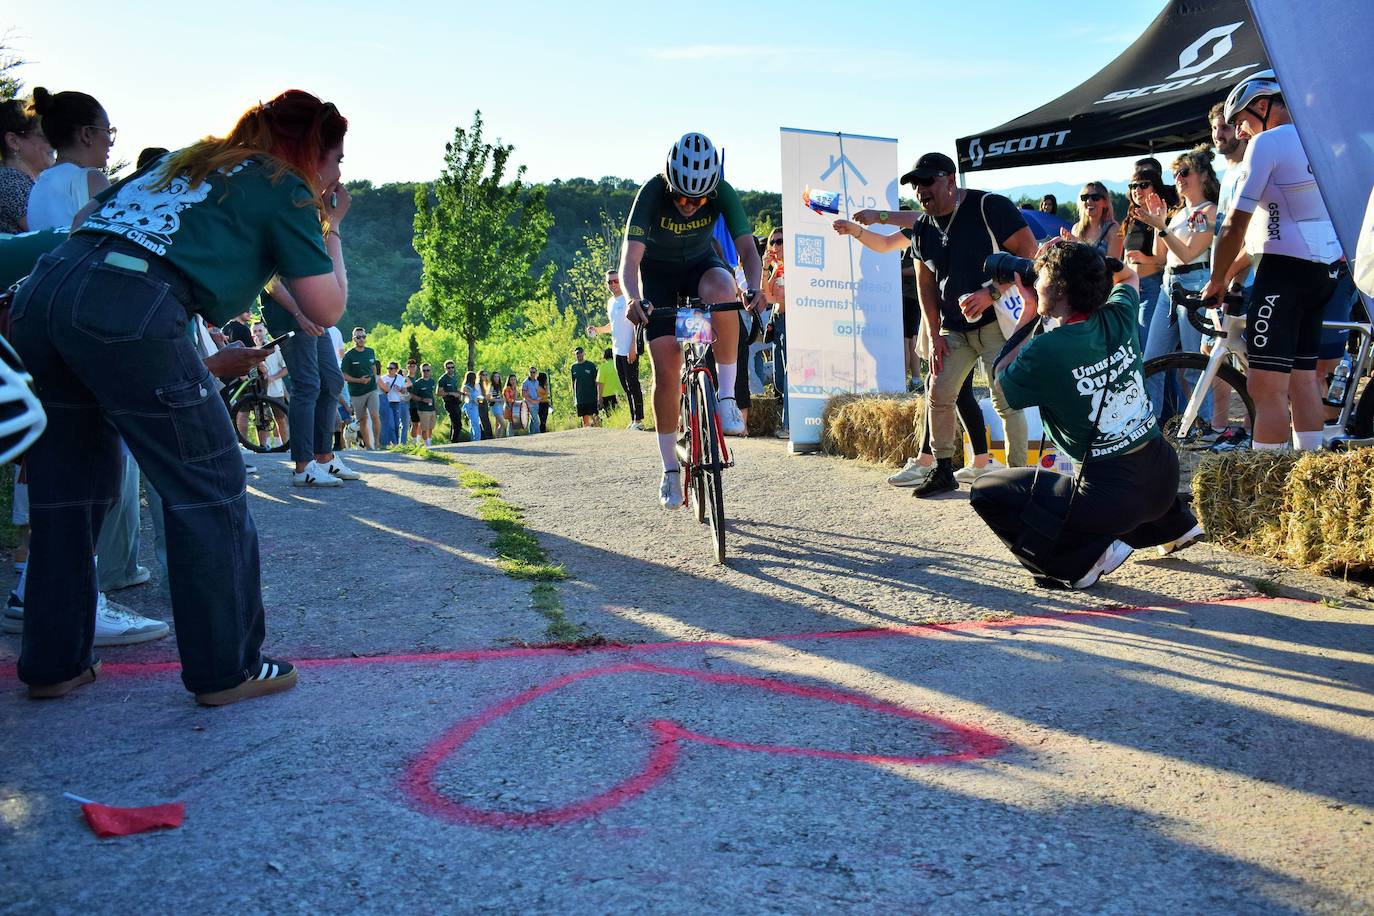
[{"x": 108, "y": 821}]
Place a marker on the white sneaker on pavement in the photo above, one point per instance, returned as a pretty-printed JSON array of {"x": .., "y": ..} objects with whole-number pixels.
[
  {"x": 912, "y": 475},
  {"x": 1115, "y": 554},
  {"x": 968, "y": 473},
  {"x": 1188, "y": 539},
  {"x": 731, "y": 421},
  {"x": 670, "y": 490},
  {"x": 340, "y": 470},
  {"x": 315, "y": 476},
  {"x": 117, "y": 625}
]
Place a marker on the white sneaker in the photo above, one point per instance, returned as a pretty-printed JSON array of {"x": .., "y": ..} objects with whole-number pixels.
[
  {"x": 1191, "y": 537},
  {"x": 1115, "y": 554},
  {"x": 731, "y": 422},
  {"x": 116, "y": 625},
  {"x": 670, "y": 490},
  {"x": 340, "y": 470},
  {"x": 315, "y": 476},
  {"x": 968, "y": 473},
  {"x": 912, "y": 475}
]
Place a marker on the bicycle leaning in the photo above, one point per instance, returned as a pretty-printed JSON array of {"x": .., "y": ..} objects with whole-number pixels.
[
  {"x": 259, "y": 419},
  {"x": 1182, "y": 423},
  {"x": 701, "y": 449}
]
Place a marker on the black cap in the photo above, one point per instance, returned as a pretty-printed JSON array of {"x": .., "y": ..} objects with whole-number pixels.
[{"x": 931, "y": 165}]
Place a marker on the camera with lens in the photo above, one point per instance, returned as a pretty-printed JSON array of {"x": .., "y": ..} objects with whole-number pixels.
[{"x": 1003, "y": 266}]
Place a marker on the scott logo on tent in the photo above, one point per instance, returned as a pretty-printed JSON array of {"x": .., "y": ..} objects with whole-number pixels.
[
  {"x": 1015, "y": 145},
  {"x": 1210, "y": 47}
]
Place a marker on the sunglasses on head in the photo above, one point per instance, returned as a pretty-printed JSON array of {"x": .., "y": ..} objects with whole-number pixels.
[
  {"x": 1183, "y": 172},
  {"x": 1140, "y": 185},
  {"x": 1084, "y": 198}
]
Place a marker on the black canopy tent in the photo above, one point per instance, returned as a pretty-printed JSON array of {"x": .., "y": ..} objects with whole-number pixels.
[{"x": 1155, "y": 96}]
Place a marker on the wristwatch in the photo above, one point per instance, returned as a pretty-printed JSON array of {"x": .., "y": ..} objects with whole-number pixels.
[{"x": 882, "y": 216}]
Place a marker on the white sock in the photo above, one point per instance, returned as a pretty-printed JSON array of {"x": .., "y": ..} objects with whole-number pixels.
[
  {"x": 726, "y": 374},
  {"x": 1308, "y": 441},
  {"x": 1268, "y": 446},
  {"x": 667, "y": 450}
]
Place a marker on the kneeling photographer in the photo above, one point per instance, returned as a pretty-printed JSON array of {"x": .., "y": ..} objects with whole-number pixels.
[{"x": 1085, "y": 376}]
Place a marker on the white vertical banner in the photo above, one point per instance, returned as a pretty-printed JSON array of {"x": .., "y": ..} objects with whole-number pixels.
[{"x": 844, "y": 302}]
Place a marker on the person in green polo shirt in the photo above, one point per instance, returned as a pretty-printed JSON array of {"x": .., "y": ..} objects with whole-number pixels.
[
  {"x": 422, "y": 396},
  {"x": 585, "y": 388},
  {"x": 451, "y": 390},
  {"x": 358, "y": 370}
]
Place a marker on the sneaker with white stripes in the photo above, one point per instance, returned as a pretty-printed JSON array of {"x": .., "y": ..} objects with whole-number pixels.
[{"x": 271, "y": 676}]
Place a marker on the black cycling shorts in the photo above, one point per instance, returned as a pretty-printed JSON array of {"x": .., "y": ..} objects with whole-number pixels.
[
  {"x": 586, "y": 408},
  {"x": 662, "y": 282},
  {"x": 911, "y": 317},
  {"x": 1284, "y": 326}
]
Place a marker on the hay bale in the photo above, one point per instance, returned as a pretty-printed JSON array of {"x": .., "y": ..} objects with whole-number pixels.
[
  {"x": 881, "y": 428},
  {"x": 1239, "y": 496},
  {"x": 1328, "y": 509},
  {"x": 765, "y": 413}
]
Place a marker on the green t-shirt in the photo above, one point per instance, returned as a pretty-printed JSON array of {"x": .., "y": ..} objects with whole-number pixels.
[
  {"x": 358, "y": 363},
  {"x": 1066, "y": 370},
  {"x": 18, "y": 253},
  {"x": 229, "y": 235},
  {"x": 668, "y": 236},
  {"x": 609, "y": 379},
  {"x": 448, "y": 383},
  {"x": 421, "y": 389},
  {"x": 584, "y": 382}
]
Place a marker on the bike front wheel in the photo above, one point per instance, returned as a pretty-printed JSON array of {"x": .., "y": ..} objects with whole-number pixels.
[
  {"x": 259, "y": 423},
  {"x": 1238, "y": 410},
  {"x": 712, "y": 466}
]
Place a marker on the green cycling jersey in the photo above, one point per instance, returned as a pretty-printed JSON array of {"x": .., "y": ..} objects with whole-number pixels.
[{"x": 667, "y": 235}]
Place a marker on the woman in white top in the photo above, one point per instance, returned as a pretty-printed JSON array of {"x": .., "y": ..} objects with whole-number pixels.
[
  {"x": 1183, "y": 239},
  {"x": 275, "y": 367},
  {"x": 395, "y": 410},
  {"x": 79, "y": 130}
]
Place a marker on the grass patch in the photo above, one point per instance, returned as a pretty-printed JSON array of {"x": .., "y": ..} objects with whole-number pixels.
[
  {"x": 1267, "y": 587},
  {"x": 518, "y": 551}
]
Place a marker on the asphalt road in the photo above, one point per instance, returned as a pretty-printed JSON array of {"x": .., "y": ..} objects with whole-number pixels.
[{"x": 868, "y": 709}]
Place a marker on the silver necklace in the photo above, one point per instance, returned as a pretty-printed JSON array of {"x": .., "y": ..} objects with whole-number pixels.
[{"x": 944, "y": 233}]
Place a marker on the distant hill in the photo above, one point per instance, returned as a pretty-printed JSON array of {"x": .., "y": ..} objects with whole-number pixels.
[{"x": 1062, "y": 191}]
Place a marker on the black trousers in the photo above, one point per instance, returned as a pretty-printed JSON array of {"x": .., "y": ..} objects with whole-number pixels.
[
  {"x": 453, "y": 406},
  {"x": 1132, "y": 498},
  {"x": 629, "y": 380}
]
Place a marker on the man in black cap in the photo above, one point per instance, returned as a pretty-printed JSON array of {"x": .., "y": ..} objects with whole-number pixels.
[{"x": 951, "y": 239}]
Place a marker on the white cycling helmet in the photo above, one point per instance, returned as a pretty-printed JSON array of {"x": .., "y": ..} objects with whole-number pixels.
[
  {"x": 22, "y": 419},
  {"x": 694, "y": 166},
  {"x": 1259, "y": 85}
]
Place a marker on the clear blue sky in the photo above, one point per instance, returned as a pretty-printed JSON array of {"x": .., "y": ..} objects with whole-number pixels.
[{"x": 582, "y": 89}]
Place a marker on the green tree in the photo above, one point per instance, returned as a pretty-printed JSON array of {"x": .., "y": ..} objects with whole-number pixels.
[
  {"x": 10, "y": 84},
  {"x": 583, "y": 289},
  {"x": 478, "y": 237},
  {"x": 413, "y": 349}
]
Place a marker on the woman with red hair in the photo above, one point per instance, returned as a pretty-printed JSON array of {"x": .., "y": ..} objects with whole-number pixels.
[{"x": 106, "y": 324}]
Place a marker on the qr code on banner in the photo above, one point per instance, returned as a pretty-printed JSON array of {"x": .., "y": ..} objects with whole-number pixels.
[{"x": 810, "y": 251}]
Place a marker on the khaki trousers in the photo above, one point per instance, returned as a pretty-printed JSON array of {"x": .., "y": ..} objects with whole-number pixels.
[{"x": 967, "y": 349}]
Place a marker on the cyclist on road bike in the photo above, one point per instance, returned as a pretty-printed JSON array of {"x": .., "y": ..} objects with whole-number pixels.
[
  {"x": 668, "y": 253},
  {"x": 1298, "y": 253}
]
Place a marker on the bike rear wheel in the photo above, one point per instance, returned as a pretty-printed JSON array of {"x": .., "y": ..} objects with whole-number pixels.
[
  {"x": 257, "y": 420},
  {"x": 712, "y": 466},
  {"x": 1239, "y": 408}
]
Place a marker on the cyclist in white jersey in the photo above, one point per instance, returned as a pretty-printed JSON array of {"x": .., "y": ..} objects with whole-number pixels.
[{"x": 1279, "y": 216}]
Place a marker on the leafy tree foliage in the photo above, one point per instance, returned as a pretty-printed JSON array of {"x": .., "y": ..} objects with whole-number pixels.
[{"x": 478, "y": 236}]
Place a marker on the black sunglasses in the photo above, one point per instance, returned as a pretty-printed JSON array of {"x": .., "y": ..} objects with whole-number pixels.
[
  {"x": 775, "y": 241},
  {"x": 927, "y": 182},
  {"x": 1140, "y": 185},
  {"x": 1084, "y": 198},
  {"x": 1183, "y": 172}
]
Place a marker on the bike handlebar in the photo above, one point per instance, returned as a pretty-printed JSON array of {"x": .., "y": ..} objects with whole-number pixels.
[
  {"x": 693, "y": 305},
  {"x": 1195, "y": 308}
]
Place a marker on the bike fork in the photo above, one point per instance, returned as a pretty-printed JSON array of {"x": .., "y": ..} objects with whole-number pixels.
[{"x": 1200, "y": 390}]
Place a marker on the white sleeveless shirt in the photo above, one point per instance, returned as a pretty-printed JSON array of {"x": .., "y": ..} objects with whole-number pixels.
[{"x": 58, "y": 194}]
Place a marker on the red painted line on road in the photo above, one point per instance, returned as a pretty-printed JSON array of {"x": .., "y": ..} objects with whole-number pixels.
[
  {"x": 920, "y": 630},
  {"x": 962, "y": 742}
]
